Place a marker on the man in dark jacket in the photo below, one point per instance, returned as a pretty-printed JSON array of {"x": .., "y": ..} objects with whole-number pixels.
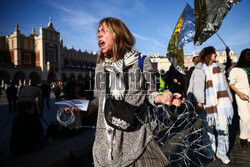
[
  {"x": 46, "y": 89},
  {"x": 174, "y": 80},
  {"x": 11, "y": 93}
]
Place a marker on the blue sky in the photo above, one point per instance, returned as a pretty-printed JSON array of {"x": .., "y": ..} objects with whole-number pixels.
[{"x": 151, "y": 21}]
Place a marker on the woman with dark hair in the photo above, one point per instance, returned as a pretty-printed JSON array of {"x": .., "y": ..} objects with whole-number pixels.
[
  {"x": 244, "y": 58},
  {"x": 129, "y": 83},
  {"x": 239, "y": 83},
  {"x": 209, "y": 89}
]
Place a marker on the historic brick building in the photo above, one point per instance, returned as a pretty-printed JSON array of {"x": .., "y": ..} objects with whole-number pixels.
[{"x": 41, "y": 57}]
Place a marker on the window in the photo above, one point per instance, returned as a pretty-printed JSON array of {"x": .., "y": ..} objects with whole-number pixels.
[
  {"x": 52, "y": 55},
  {"x": 27, "y": 58}
]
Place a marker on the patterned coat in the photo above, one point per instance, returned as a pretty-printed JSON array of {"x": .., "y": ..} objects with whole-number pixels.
[{"x": 128, "y": 145}]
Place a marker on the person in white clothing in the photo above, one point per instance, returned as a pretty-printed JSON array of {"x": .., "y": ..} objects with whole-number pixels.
[{"x": 239, "y": 83}]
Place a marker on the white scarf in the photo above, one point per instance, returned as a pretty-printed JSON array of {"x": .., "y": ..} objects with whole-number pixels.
[
  {"x": 116, "y": 76},
  {"x": 218, "y": 106}
]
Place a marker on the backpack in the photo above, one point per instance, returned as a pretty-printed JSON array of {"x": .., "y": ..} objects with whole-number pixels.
[{"x": 140, "y": 61}]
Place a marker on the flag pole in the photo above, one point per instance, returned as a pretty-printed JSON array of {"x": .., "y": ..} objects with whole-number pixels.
[{"x": 221, "y": 39}]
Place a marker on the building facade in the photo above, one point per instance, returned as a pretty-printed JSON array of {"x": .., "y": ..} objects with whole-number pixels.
[
  {"x": 221, "y": 58},
  {"x": 41, "y": 57},
  {"x": 162, "y": 62}
]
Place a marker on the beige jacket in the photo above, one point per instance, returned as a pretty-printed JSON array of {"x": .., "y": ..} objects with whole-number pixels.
[{"x": 238, "y": 77}]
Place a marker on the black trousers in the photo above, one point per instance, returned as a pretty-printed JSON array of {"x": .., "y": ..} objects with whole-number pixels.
[{"x": 12, "y": 104}]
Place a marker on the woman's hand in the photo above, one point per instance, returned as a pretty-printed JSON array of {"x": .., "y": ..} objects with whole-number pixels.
[
  {"x": 170, "y": 99},
  {"x": 239, "y": 93},
  {"x": 242, "y": 96}
]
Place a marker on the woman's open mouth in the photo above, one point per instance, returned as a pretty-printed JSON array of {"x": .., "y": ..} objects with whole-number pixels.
[{"x": 101, "y": 43}]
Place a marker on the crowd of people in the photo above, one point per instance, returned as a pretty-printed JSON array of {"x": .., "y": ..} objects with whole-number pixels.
[
  {"x": 211, "y": 87},
  {"x": 208, "y": 85},
  {"x": 29, "y": 101}
]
